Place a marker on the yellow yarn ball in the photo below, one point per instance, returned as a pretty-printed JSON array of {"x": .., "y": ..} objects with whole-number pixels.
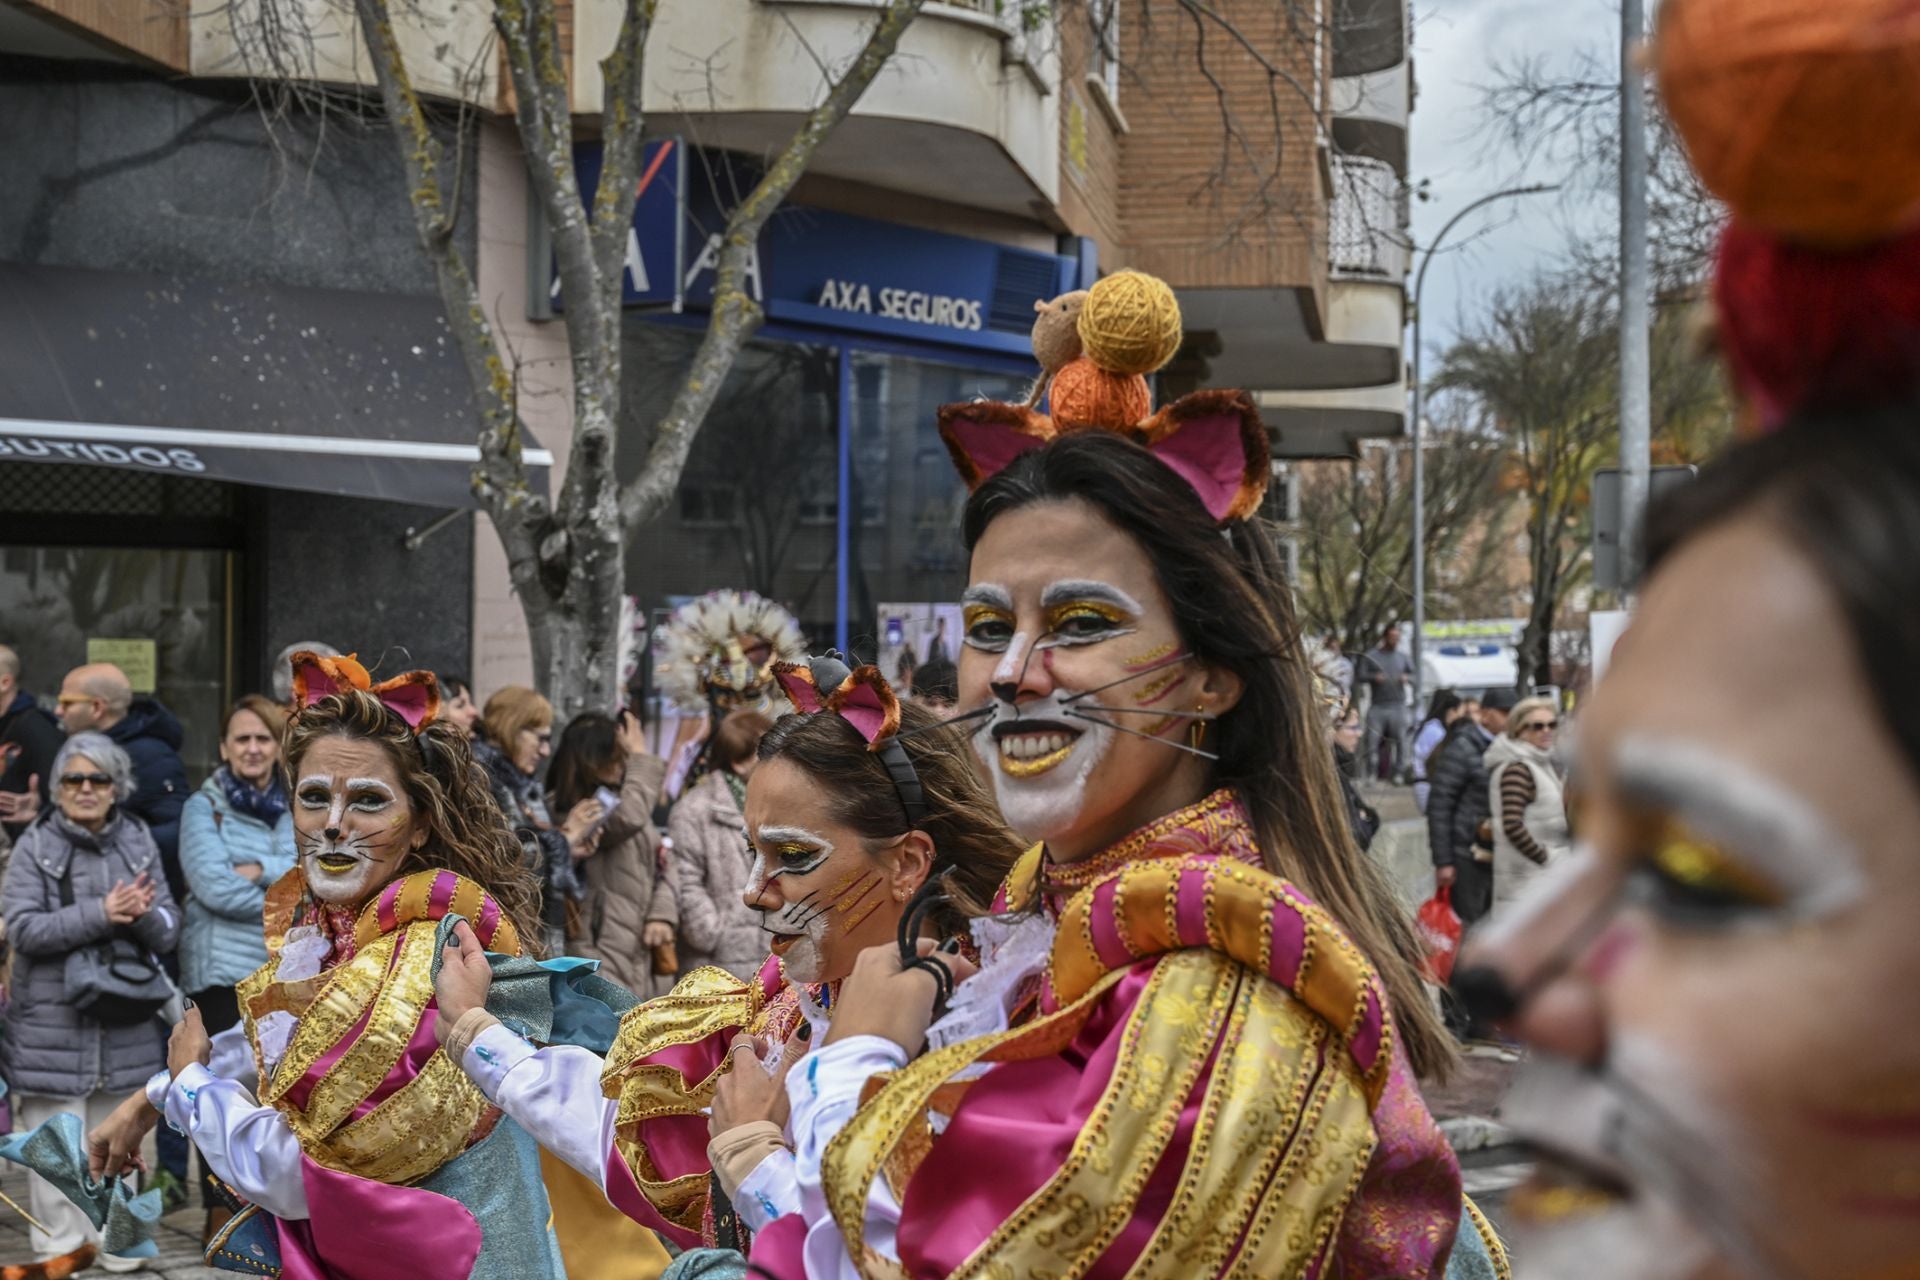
[{"x": 1130, "y": 323}]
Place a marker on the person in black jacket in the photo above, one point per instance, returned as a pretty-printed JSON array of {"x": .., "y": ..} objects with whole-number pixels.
[
  {"x": 98, "y": 697},
  {"x": 1457, "y": 806},
  {"x": 29, "y": 739}
]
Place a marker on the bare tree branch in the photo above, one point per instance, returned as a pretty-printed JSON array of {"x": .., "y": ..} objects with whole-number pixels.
[{"x": 736, "y": 315}]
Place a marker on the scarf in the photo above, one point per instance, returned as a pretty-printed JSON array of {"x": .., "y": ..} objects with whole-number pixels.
[{"x": 264, "y": 804}]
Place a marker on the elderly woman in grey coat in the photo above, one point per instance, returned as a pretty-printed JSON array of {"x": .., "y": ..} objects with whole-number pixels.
[{"x": 56, "y": 1058}]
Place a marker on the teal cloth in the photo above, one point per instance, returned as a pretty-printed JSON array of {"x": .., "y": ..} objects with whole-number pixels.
[
  {"x": 560, "y": 1001},
  {"x": 1470, "y": 1260},
  {"x": 499, "y": 1181},
  {"x": 707, "y": 1264},
  {"x": 57, "y": 1151}
]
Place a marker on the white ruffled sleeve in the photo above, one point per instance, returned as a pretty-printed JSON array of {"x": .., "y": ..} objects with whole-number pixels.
[
  {"x": 824, "y": 1091},
  {"x": 553, "y": 1093},
  {"x": 249, "y": 1147}
]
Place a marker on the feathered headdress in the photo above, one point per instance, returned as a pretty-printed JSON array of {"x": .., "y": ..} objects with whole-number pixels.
[
  {"x": 711, "y": 650},
  {"x": 1125, "y": 327}
]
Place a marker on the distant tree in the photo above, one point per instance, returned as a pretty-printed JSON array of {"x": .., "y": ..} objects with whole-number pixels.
[{"x": 1355, "y": 534}]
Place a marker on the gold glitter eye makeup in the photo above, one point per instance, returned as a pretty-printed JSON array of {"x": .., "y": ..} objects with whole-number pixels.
[
  {"x": 988, "y": 627},
  {"x": 1087, "y": 621},
  {"x": 1688, "y": 880}
]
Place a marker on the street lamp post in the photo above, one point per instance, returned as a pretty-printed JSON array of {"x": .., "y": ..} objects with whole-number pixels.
[{"x": 1419, "y": 427}]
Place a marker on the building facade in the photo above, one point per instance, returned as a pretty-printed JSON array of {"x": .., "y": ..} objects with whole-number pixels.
[{"x": 1257, "y": 166}]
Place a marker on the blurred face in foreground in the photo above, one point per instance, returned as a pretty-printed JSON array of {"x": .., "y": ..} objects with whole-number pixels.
[{"x": 1719, "y": 991}]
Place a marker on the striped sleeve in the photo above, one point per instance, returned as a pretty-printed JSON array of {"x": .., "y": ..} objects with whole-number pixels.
[{"x": 1517, "y": 791}]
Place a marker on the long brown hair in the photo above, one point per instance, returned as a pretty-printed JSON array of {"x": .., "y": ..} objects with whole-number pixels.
[
  {"x": 1230, "y": 601},
  {"x": 973, "y": 849},
  {"x": 465, "y": 832}
]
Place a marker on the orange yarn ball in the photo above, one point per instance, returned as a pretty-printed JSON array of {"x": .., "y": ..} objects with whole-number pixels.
[
  {"x": 1130, "y": 322},
  {"x": 1084, "y": 395},
  {"x": 1804, "y": 118}
]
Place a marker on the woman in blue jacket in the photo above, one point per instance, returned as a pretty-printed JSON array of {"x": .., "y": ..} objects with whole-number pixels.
[{"x": 236, "y": 839}]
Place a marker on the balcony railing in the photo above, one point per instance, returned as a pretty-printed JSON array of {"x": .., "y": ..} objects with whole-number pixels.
[{"x": 1367, "y": 223}]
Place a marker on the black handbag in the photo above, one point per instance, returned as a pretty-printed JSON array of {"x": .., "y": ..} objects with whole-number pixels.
[{"x": 117, "y": 983}]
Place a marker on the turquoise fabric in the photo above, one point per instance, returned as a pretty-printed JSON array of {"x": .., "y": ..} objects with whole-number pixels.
[
  {"x": 706, "y": 1264},
  {"x": 560, "y": 1001},
  {"x": 1470, "y": 1260},
  {"x": 491, "y": 1179},
  {"x": 57, "y": 1151}
]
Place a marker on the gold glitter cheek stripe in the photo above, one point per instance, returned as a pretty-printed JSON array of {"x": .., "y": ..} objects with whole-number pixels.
[
  {"x": 1152, "y": 655},
  {"x": 861, "y": 906},
  {"x": 1060, "y": 1232},
  {"x": 1152, "y": 689}
]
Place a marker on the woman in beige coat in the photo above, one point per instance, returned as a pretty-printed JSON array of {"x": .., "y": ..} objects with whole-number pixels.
[
  {"x": 627, "y": 918},
  {"x": 710, "y": 855}
]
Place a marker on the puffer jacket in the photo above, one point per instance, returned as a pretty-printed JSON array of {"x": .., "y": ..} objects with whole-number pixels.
[
  {"x": 1457, "y": 803},
  {"x": 626, "y": 886},
  {"x": 709, "y": 865},
  {"x": 151, "y": 736},
  {"x": 50, "y": 1048},
  {"x": 222, "y": 942}
]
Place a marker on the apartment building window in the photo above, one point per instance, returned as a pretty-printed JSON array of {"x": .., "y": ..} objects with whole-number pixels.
[{"x": 1104, "y": 69}]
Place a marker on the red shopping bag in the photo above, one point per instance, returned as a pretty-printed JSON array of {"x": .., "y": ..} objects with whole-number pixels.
[{"x": 1440, "y": 931}]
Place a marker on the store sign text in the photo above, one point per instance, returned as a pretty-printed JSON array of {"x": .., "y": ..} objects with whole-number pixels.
[
  {"x": 109, "y": 454},
  {"x": 902, "y": 304}
]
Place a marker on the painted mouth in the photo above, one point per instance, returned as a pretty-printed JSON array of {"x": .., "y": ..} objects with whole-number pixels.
[
  {"x": 335, "y": 864},
  {"x": 1565, "y": 1189},
  {"x": 783, "y": 942},
  {"x": 1029, "y": 748}
]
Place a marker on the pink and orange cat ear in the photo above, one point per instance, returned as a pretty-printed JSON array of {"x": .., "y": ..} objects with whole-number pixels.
[
  {"x": 1215, "y": 441},
  {"x": 863, "y": 698},
  {"x": 414, "y": 696},
  {"x": 985, "y": 436},
  {"x": 316, "y": 676}
]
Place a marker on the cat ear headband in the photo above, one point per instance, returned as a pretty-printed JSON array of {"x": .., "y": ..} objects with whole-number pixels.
[
  {"x": 414, "y": 696},
  {"x": 863, "y": 698},
  {"x": 1096, "y": 349},
  {"x": 1214, "y": 440}
]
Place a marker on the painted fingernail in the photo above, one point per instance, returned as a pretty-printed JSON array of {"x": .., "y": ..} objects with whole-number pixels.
[
  {"x": 950, "y": 946},
  {"x": 804, "y": 1031},
  {"x": 186, "y": 1002}
]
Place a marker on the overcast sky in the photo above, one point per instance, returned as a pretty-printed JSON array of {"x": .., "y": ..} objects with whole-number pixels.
[{"x": 1456, "y": 45}]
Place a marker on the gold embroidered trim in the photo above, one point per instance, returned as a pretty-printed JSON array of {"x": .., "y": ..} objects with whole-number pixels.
[{"x": 1496, "y": 1247}]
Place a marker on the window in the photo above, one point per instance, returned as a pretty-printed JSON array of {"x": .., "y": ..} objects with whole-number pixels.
[
  {"x": 1104, "y": 66},
  {"x": 711, "y": 505}
]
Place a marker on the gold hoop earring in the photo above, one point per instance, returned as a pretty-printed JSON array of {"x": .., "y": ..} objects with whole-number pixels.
[{"x": 1197, "y": 730}]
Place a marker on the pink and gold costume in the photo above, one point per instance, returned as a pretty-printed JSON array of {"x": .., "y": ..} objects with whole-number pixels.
[{"x": 1206, "y": 1084}]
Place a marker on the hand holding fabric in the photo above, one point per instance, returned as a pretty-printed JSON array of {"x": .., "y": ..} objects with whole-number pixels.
[
  {"x": 747, "y": 1092},
  {"x": 189, "y": 1043},
  {"x": 464, "y": 979},
  {"x": 114, "y": 1145}
]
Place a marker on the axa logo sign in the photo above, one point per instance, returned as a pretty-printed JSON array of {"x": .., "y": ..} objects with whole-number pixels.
[{"x": 911, "y": 305}]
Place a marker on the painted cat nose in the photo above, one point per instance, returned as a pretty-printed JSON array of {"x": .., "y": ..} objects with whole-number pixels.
[{"x": 333, "y": 833}]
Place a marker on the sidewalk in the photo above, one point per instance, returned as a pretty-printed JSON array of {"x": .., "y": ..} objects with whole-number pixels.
[{"x": 179, "y": 1236}]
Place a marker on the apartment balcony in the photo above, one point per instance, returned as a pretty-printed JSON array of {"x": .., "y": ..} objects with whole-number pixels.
[
  {"x": 1370, "y": 115},
  {"x": 1367, "y": 222},
  {"x": 448, "y": 45},
  {"x": 1369, "y": 36},
  {"x": 966, "y": 112}
]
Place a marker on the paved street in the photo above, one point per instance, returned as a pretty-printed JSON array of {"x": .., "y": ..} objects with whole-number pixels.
[{"x": 179, "y": 1235}]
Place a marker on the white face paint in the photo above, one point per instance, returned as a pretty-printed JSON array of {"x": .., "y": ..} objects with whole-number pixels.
[
  {"x": 1040, "y": 760},
  {"x": 1639, "y": 1174},
  {"x": 350, "y": 832},
  {"x": 799, "y": 927}
]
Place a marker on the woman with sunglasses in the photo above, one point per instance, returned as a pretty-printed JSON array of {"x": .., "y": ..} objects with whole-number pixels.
[
  {"x": 1528, "y": 801},
  {"x": 86, "y": 873}
]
